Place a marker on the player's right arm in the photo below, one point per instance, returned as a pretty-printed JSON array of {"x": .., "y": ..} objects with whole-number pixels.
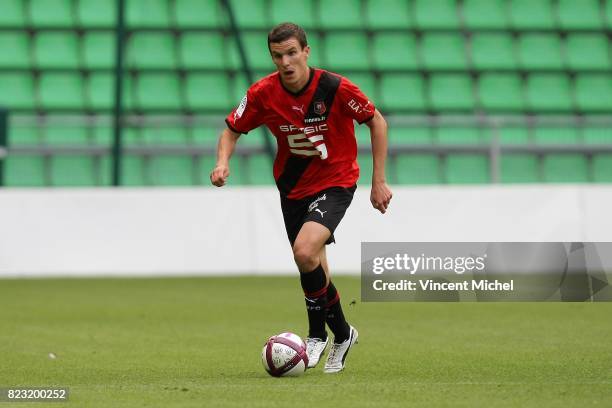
[{"x": 225, "y": 148}]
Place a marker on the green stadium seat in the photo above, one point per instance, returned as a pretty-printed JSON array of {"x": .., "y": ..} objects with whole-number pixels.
[
  {"x": 204, "y": 166},
  {"x": 255, "y": 138},
  {"x": 133, "y": 136},
  {"x": 340, "y": 14},
  {"x": 587, "y": 51},
  {"x": 410, "y": 135},
  {"x": 61, "y": 91},
  {"x": 364, "y": 160},
  {"x": 69, "y": 170},
  {"x": 164, "y": 135},
  {"x": 258, "y": 170},
  {"x": 238, "y": 88},
  {"x": 390, "y": 14},
  {"x": 608, "y": 12},
  {"x": 443, "y": 51},
  {"x": 549, "y": 92},
  {"x": 594, "y": 92},
  {"x": 466, "y": 169},
  {"x": 98, "y": 50},
  {"x": 56, "y": 50},
  {"x": 316, "y": 50},
  {"x": 13, "y": 14},
  {"x": 394, "y": 51},
  {"x": 151, "y": 51},
  {"x": 65, "y": 135},
  {"x": 493, "y": 51},
  {"x": 402, "y": 91},
  {"x": 577, "y": 15},
  {"x": 602, "y": 168},
  {"x": 171, "y": 170},
  {"x": 100, "y": 91},
  {"x": 513, "y": 135},
  {"x": 555, "y": 135},
  {"x": 202, "y": 50},
  {"x": 367, "y": 84},
  {"x": 96, "y": 13},
  {"x": 362, "y": 135},
  {"x": 102, "y": 134},
  {"x": 501, "y": 92},
  {"x": 51, "y": 13},
  {"x": 147, "y": 13},
  {"x": 209, "y": 91},
  {"x": 299, "y": 12},
  {"x": 206, "y": 136},
  {"x": 251, "y": 14},
  {"x": 133, "y": 171},
  {"x": 17, "y": 91},
  {"x": 451, "y": 92},
  {"x": 436, "y": 14},
  {"x": 15, "y": 48},
  {"x": 531, "y": 14},
  {"x": 540, "y": 51},
  {"x": 519, "y": 168},
  {"x": 199, "y": 13},
  {"x": 256, "y": 48},
  {"x": 597, "y": 135},
  {"x": 455, "y": 135},
  {"x": 28, "y": 135},
  {"x": 346, "y": 51},
  {"x": 418, "y": 169},
  {"x": 159, "y": 91},
  {"x": 485, "y": 14},
  {"x": 565, "y": 168},
  {"x": 25, "y": 171}
]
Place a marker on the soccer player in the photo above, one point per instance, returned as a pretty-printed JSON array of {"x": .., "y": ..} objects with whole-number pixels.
[{"x": 310, "y": 111}]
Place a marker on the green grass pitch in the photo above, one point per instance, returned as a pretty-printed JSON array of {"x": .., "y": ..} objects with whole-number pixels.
[{"x": 196, "y": 342}]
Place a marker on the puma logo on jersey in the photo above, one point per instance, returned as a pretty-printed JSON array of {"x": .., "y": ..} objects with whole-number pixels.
[
  {"x": 298, "y": 108},
  {"x": 320, "y": 212}
]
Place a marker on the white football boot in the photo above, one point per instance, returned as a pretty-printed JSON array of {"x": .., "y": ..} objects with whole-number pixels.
[
  {"x": 314, "y": 350},
  {"x": 338, "y": 353}
]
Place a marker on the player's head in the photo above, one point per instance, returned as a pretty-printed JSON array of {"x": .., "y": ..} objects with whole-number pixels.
[{"x": 289, "y": 50}]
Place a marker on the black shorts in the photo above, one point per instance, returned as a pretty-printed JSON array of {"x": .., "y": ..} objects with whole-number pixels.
[{"x": 327, "y": 208}]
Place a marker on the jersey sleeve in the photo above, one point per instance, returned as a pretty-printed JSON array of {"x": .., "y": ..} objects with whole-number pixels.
[
  {"x": 354, "y": 102},
  {"x": 247, "y": 115}
]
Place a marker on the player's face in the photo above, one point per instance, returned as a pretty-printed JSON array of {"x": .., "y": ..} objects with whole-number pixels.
[{"x": 291, "y": 61}]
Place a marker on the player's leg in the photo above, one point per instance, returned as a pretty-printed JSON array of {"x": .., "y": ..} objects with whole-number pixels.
[{"x": 335, "y": 316}]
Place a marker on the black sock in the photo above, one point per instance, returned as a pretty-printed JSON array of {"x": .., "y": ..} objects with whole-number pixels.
[
  {"x": 315, "y": 293},
  {"x": 335, "y": 317}
]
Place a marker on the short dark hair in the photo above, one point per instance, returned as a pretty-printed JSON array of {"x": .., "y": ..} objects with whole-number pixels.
[{"x": 284, "y": 31}]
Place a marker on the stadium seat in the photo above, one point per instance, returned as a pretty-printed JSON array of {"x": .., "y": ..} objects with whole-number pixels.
[
  {"x": 565, "y": 168},
  {"x": 540, "y": 51},
  {"x": 61, "y": 91},
  {"x": 594, "y": 92},
  {"x": 202, "y": 50},
  {"x": 251, "y": 14},
  {"x": 555, "y": 135},
  {"x": 199, "y": 13},
  {"x": 99, "y": 91},
  {"x": 608, "y": 13},
  {"x": 580, "y": 15},
  {"x": 299, "y": 12},
  {"x": 69, "y": 170},
  {"x": 96, "y": 13},
  {"x": 485, "y": 14},
  {"x": 364, "y": 160},
  {"x": 587, "y": 51},
  {"x": 340, "y": 14},
  {"x": 151, "y": 51},
  {"x": 208, "y": 91},
  {"x": 519, "y": 168},
  {"x": 316, "y": 50},
  {"x": 401, "y": 92},
  {"x": 51, "y": 13},
  {"x": 256, "y": 48},
  {"x": 164, "y": 135},
  {"x": 531, "y": 14},
  {"x": 65, "y": 135},
  {"x": 367, "y": 85},
  {"x": 25, "y": 171},
  {"x": 17, "y": 91},
  {"x": 206, "y": 135},
  {"x": 391, "y": 14},
  {"x": 493, "y": 51},
  {"x": 410, "y": 135},
  {"x": 56, "y": 50},
  {"x": 436, "y": 14},
  {"x": 255, "y": 138},
  {"x": 602, "y": 168},
  {"x": 204, "y": 166},
  {"x": 167, "y": 170},
  {"x": 451, "y": 92},
  {"x": 98, "y": 50},
  {"x": 454, "y": 135},
  {"x": 394, "y": 51},
  {"x": 501, "y": 92},
  {"x": 24, "y": 135},
  {"x": 15, "y": 48},
  {"x": 147, "y": 13},
  {"x": 443, "y": 51},
  {"x": 133, "y": 171},
  {"x": 549, "y": 92},
  {"x": 346, "y": 51},
  {"x": 258, "y": 170},
  {"x": 362, "y": 135},
  {"x": 12, "y": 14},
  {"x": 466, "y": 169},
  {"x": 597, "y": 135},
  {"x": 418, "y": 169},
  {"x": 159, "y": 91},
  {"x": 512, "y": 135}
]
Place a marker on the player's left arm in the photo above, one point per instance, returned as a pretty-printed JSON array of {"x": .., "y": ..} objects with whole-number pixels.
[{"x": 381, "y": 195}]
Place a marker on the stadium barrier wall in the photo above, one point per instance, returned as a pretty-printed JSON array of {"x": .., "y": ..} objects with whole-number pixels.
[{"x": 207, "y": 231}]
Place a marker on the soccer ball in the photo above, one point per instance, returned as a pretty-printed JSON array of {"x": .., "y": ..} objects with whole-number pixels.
[{"x": 284, "y": 355}]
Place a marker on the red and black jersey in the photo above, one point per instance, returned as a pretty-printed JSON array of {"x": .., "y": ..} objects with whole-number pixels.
[{"x": 313, "y": 128}]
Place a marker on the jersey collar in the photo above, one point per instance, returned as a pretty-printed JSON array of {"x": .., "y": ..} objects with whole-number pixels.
[{"x": 301, "y": 91}]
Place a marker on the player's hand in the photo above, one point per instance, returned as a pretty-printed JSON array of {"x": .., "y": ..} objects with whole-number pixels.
[
  {"x": 380, "y": 197},
  {"x": 219, "y": 175}
]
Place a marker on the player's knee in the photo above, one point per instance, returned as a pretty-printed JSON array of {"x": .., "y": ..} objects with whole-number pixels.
[{"x": 305, "y": 257}]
